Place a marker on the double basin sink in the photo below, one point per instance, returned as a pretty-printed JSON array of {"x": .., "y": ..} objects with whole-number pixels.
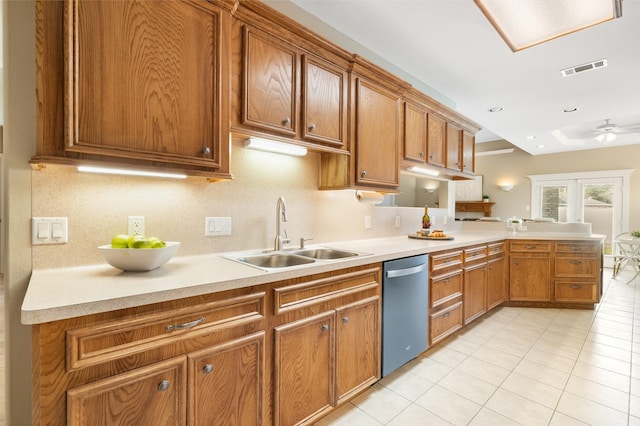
[{"x": 286, "y": 259}]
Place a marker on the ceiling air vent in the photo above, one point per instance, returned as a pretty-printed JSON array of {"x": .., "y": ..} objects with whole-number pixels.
[{"x": 601, "y": 63}]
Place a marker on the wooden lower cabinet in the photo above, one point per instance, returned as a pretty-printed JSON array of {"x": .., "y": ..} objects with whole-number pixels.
[
  {"x": 446, "y": 281},
  {"x": 475, "y": 292},
  {"x": 225, "y": 383},
  {"x": 304, "y": 387},
  {"x": 153, "y": 395},
  {"x": 496, "y": 282},
  {"x": 324, "y": 359}
]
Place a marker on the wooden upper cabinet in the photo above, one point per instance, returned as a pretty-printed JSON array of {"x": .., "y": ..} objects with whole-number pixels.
[
  {"x": 270, "y": 78},
  {"x": 415, "y": 133},
  {"x": 468, "y": 152},
  {"x": 324, "y": 102},
  {"x": 454, "y": 142},
  {"x": 377, "y": 135},
  {"x": 290, "y": 93},
  {"x": 437, "y": 140},
  {"x": 145, "y": 80}
]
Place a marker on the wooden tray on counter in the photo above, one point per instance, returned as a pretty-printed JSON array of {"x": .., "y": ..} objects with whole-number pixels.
[{"x": 420, "y": 237}]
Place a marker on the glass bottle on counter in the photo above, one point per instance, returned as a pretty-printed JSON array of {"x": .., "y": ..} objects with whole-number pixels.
[{"x": 426, "y": 220}]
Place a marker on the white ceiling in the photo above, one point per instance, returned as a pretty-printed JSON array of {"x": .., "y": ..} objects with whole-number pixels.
[{"x": 450, "y": 46}]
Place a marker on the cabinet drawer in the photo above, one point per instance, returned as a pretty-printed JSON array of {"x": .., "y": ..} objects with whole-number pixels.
[
  {"x": 576, "y": 292},
  {"x": 445, "y": 287},
  {"x": 445, "y": 260},
  {"x": 577, "y": 247},
  {"x": 495, "y": 250},
  {"x": 576, "y": 267},
  {"x": 296, "y": 296},
  {"x": 474, "y": 255},
  {"x": 530, "y": 246},
  {"x": 446, "y": 322},
  {"x": 104, "y": 342}
]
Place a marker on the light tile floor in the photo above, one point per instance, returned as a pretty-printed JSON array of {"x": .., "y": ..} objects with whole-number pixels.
[{"x": 520, "y": 366}]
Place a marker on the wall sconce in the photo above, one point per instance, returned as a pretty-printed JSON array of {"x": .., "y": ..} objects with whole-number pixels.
[
  {"x": 430, "y": 190},
  {"x": 506, "y": 187},
  {"x": 273, "y": 146}
]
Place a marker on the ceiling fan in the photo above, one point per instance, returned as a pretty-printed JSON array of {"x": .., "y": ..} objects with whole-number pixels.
[
  {"x": 604, "y": 133},
  {"x": 608, "y": 131}
]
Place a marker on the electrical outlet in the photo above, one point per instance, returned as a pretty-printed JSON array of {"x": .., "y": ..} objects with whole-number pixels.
[
  {"x": 367, "y": 222},
  {"x": 397, "y": 221},
  {"x": 136, "y": 225}
]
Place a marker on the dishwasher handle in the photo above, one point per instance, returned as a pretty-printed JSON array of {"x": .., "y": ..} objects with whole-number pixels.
[{"x": 406, "y": 271}]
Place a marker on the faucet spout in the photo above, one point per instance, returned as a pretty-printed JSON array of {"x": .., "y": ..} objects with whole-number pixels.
[{"x": 281, "y": 216}]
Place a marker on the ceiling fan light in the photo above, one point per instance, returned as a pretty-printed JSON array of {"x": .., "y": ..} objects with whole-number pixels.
[{"x": 606, "y": 137}]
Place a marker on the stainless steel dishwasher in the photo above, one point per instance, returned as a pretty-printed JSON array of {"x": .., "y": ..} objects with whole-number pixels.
[{"x": 405, "y": 318}]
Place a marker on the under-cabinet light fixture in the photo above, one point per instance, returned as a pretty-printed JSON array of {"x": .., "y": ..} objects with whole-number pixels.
[
  {"x": 526, "y": 23},
  {"x": 273, "y": 146},
  {"x": 130, "y": 172},
  {"x": 423, "y": 171}
]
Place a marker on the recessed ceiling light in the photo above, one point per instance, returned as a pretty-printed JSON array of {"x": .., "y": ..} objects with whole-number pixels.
[
  {"x": 531, "y": 137},
  {"x": 495, "y": 109},
  {"x": 572, "y": 109},
  {"x": 540, "y": 146}
]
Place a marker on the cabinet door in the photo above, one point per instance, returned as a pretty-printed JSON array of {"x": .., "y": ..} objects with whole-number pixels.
[
  {"x": 529, "y": 278},
  {"x": 415, "y": 133},
  {"x": 437, "y": 138},
  {"x": 468, "y": 152},
  {"x": 358, "y": 347},
  {"x": 496, "y": 283},
  {"x": 270, "y": 68},
  {"x": 324, "y": 102},
  {"x": 153, "y": 395},
  {"x": 454, "y": 142},
  {"x": 377, "y": 135},
  {"x": 304, "y": 383},
  {"x": 226, "y": 383},
  {"x": 144, "y": 79},
  {"x": 474, "y": 293}
]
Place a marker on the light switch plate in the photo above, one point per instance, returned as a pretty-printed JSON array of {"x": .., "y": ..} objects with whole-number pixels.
[
  {"x": 49, "y": 230},
  {"x": 215, "y": 226}
]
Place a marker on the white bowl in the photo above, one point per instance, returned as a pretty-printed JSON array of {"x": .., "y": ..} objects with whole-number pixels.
[{"x": 138, "y": 259}]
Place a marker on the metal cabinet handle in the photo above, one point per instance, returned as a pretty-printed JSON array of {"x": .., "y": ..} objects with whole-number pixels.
[
  {"x": 446, "y": 315},
  {"x": 421, "y": 154},
  {"x": 515, "y": 262},
  {"x": 287, "y": 120},
  {"x": 185, "y": 325},
  {"x": 312, "y": 127},
  {"x": 576, "y": 286},
  {"x": 325, "y": 327},
  {"x": 530, "y": 247},
  {"x": 363, "y": 173},
  {"x": 207, "y": 369},
  {"x": 575, "y": 262},
  {"x": 163, "y": 385},
  {"x": 345, "y": 319},
  {"x": 206, "y": 150}
]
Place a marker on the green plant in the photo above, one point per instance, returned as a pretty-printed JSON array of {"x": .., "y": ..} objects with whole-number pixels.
[
  {"x": 485, "y": 197},
  {"x": 635, "y": 234}
]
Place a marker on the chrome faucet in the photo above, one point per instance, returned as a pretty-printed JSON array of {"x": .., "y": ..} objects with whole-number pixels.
[{"x": 281, "y": 214}]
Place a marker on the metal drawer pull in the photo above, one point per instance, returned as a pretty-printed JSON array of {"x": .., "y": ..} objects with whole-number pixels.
[
  {"x": 446, "y": 315},
  {"x": 575, "y": 262},
  {"x": 287, "y": 120},
  {"x": 530, "y": 247},
  {"x": 163, "y": 385},
  {"x": 207, "y": 369},
  {"x": 312, "y": 127},
  {"x": 185, "y": 325},
  {"x": 325, "y": 327},
  {"x": 345, "y": 320},
  {"x": 576, "y": 286}
]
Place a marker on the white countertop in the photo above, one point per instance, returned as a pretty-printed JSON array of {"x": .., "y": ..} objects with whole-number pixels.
[{"x": 55, "y": 294}]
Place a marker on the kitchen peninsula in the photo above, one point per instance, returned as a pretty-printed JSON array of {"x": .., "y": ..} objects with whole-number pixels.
[{"x": 204, "y": 327}]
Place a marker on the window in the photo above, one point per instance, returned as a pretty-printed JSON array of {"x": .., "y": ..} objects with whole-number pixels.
[{"x": 598, "y": 198}]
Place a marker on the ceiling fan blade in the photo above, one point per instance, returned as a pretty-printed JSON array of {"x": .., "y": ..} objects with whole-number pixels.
[{"x": 629, "y": 129}]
